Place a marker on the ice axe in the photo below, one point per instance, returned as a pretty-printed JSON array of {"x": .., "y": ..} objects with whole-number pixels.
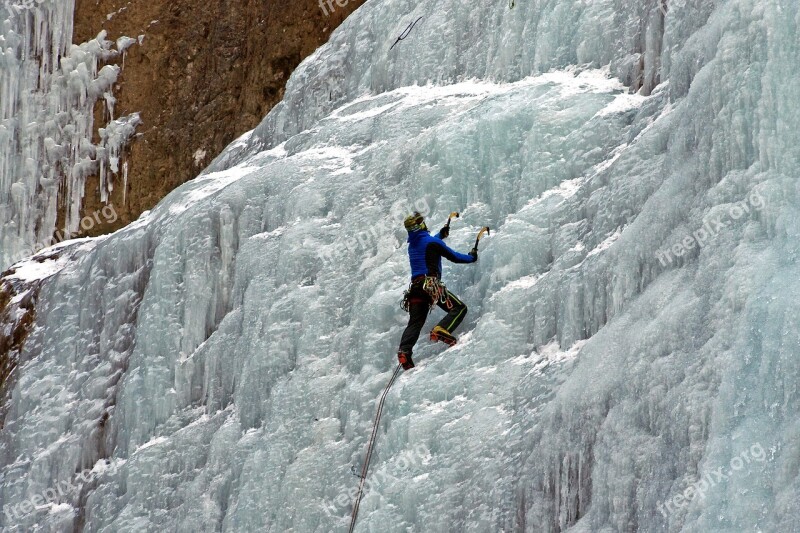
[
  {"x": 454, "y": 214},
  {"x": 483, "y": 230},
  {"x": 446, "y": 229}
]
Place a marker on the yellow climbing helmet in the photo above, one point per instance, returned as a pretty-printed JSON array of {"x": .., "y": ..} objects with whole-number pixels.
[{"x": 414, "y": 222}]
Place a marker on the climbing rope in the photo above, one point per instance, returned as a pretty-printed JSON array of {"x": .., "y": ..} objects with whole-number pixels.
[
  {"x": 368, "y": 457},
  {"x": 405, "y": 33}
]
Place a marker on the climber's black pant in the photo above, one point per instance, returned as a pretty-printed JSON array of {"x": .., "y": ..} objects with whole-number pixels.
[{"x": 418, "y": 313}]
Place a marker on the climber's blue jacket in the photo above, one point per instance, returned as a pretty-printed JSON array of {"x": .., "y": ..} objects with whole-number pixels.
[{"x": 426, "y": 251}]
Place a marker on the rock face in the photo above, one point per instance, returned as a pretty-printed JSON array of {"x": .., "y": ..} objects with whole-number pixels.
[{"x": 202, "y": 74}]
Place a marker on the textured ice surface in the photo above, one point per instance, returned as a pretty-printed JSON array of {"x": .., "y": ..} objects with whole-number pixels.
[
  {"x": 48, "y": 91},
  {"x": 224, "y": 353}
]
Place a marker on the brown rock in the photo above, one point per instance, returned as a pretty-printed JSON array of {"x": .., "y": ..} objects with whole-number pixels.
[{"x": 205, "y": 73}]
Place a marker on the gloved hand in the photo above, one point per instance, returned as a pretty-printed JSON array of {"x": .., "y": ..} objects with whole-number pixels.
[
  {"x": 474, "y": 253},
  {"x": 444, "y": 232}
]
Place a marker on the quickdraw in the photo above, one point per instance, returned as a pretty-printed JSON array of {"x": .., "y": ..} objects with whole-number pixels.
[
  {"x": 405, "y": 305},
  {"x": 437, "y": 291}
]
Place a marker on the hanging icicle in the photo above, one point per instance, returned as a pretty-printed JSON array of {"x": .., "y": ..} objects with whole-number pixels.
[{"x": 50, "y": 87}]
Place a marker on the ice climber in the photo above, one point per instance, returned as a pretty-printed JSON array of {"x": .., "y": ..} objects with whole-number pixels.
[{"x": 426, "y": 289}]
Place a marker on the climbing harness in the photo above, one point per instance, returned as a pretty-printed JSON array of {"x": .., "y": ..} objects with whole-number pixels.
[
  {"x": 405, "y": 33},
  {"x": 433, "y": 287},
  {"x": 370, "y": 447}
]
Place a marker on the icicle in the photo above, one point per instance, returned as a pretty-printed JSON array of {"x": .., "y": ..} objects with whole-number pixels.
[
  {"x": 50, "y": 87},
  {"x": 125, "y": 183},
  {"x": 123, "y": 43}
]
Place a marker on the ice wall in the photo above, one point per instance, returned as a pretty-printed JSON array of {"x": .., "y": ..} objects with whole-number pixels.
[
  {"x": 48, "y": 91},
  {"x": 633, "y": 318}
]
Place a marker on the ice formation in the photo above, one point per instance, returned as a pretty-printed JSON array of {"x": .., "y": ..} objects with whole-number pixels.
[
  {"x": 48, "y": 91},
  {"x": 215, "y": 366}
]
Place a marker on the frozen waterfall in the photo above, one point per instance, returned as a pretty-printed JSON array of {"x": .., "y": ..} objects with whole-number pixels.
[
  {"x": 48, "y": 91},
  {"x": 631, "y": 357}
]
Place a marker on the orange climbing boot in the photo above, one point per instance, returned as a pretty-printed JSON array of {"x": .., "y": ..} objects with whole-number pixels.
[
  {"x": 440, "y": 334},
  {"x": 405, "y": 360}
]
